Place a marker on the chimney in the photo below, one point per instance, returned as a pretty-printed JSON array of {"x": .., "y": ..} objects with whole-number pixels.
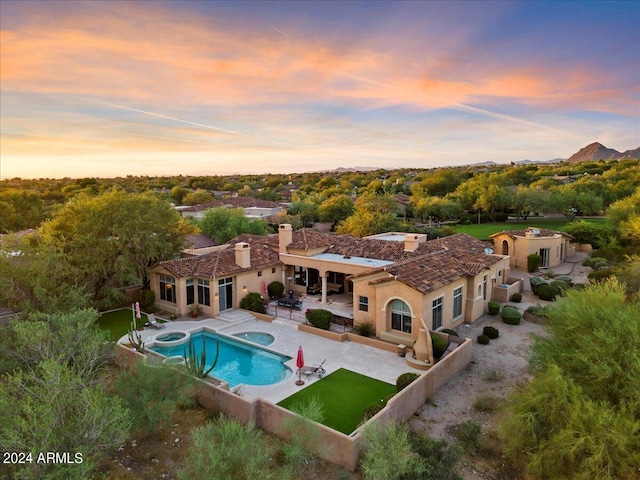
[
  {"x": 243, "y": 255},
  {"x": 285, "y": 237},
  {"x": 412, "y": 241}
]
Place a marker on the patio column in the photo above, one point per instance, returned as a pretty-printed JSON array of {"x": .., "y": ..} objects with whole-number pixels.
[{"x": 324, "y": 287}]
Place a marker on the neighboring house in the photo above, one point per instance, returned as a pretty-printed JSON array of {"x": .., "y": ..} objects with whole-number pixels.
[
  {"x": 402, "y": 202},
  {"x": 554, "y": 247},
  {"x": 199, "y": 244},
  {"x": 399, "y": 282},
  {"x": 253, "y": 207}
]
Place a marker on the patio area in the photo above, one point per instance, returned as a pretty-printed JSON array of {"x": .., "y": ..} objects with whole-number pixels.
[
  {"x": 372, "y": 362},
  {"x": 340, "y": 305}
]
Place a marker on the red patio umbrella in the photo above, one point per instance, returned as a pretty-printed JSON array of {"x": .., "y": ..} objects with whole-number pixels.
[{"x": 300, "y": 365}]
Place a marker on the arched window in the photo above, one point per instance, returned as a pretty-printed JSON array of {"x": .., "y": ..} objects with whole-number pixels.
[
  {"x": 400, "y": 316},
  {"x": 505, "y": 247}
]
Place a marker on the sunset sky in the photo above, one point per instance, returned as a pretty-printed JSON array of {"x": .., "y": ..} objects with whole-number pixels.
[{"x": 114, "y": 88}]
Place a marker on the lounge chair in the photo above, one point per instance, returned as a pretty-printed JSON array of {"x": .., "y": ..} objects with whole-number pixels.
[{"x": 152, "y": 322}]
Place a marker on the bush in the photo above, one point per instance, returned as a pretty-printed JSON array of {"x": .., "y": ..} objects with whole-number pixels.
[
  {"x": 560, "y": 285},
  {"x": 438, "y": 458},
  {"x": 253, "y": 302},
  {"x": 491, "y": 332},
  {"x": 494, "y": 307},
  {"x": 387, "y": 453},
  {"x": 596, "y": 234},
  {"x": 486, "y": 403},
  {"x": 600, "y": 265},
  {"x": 275, "y": 289},
  {"x": 153, "y": 393},
  {"x": 483, "y": 340},
  {"x": 601, "y": 275},
  {"x": 227, "y": 449},
  {"x": 539, "y": 311},
  {"x": 516, "y": 297},
  {"x": 591, "y": 261},
  {"x": 405, "y": 379},
  {"x": 319, "y": 318},
  {"x": 611, "y": 253},
  {"x": 370, "y": 411},
  {"x": 494, "y": 376},
  {"x": 536, "y": 282},
  {"x": 439, "y": 346},
  {"x": 533, "y": 262},
  {"x": 468, "y": 434},
  {"x": 511, "y": 315},
  {"x": 548, "y": 292},
  {"x": 365, "y": 329},
  {"x": 147, "y": 301},
  {"x": 450, "y": 332},
  {"x": 565, "y": 278}
]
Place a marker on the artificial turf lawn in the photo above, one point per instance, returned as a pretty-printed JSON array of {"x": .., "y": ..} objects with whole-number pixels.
[
  {"x": 483, "y": 230},
  {"x": 118, "y": 322},
  {"x": 344, "y": 395}
]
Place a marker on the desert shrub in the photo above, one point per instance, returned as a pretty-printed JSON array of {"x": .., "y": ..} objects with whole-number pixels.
[
  {"x": 437, "y": 457},
  {"x": 227, "y": 449},
  {"x": 365, "y": 329},
  {"x": 468, "y": 435},
  {"x": 539, "y": 311},
  {"x": 536, "y": 282},
  {"x": 387, "y": 453},
  {"x": 439, "y": 345},
  {"x": 450, "y": 332},
  {"x": 153, "y": 393},
  {"x": 547, "y": 292},
  {"x": 303, "y": 434},
  {"x": 319, "y": 318},
  {"x": 486, "y": 403},
  {"x": 591, "y": 261},
  {"x": 596, "y": 234},
  {"x": 253, "y": 302},
  {"x": 565, "y": 278},
  {"x": 370, "y": 411},
  {"x": 560, "y": 285},
  {"x": 601, "y": 275},
  {"x": 611, "y": 252},
  {"x": 600, "y": 265},
  {"x": 448, "y": 230},
  {"x": 483, "y": 340},
  {"x": 405, "y": 379},
  {"x": 511, "y": 315},
  {"x": 491, "y": 332},
  {"x": 494, "y": 307},
  {"x": 533, "y": 262},
  {"x": 275, "y": 289},
  {"x": 516, "y": 297}
]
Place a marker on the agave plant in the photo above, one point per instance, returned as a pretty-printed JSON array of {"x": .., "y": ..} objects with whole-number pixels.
[{"x": 197, "y": 364}]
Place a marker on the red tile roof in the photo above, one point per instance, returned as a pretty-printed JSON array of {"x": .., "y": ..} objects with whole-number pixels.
[{"x": 543, "y": 232}]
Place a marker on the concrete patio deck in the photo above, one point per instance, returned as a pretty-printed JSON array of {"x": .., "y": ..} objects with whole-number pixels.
[{"x": 369, "y": 361}]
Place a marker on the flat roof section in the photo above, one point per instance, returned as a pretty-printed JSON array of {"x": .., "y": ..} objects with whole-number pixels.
[
  {"x": 391, "y": 237},
  {"x": 361, "y": 261}
]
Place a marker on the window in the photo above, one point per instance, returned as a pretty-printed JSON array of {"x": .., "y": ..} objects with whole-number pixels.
[
  {"x": 436, "y": 313},
  {"x": 363, "y": 303},
  {"x": 167, "y": 288},
  {"x": 457, "y": 302},
  {"x": 300, "y": 276},
  {"x": 400, "y": 316},
  {"x": 204, "y": 295},
  {"x": 191, "y": 294},
  {"x": 260, "y": 273},
  {"x": 484, "y": 288},
  {"x": 544, "y": 253},
  {"x": 273, "y": 270}
]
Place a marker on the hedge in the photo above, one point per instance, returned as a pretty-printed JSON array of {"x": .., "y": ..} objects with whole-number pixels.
[
  {"x": 494, "y": 307},
  {"x": 319, "y": 318},
  {"x": 405, "y": 379},
  {"x": 439, "y": 346},
  {"x": 254, "y": 302},
  {"x": 275, "y": 289},
  {"x": 547, "y": 292},
  {"x": 533, "y": 262},
  {"x": 511, "y": 315},
  {"x": 483, "y": 340},
  {"x": 536, "y": 282}
]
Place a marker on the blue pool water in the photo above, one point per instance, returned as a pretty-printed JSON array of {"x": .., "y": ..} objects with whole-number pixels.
[
  {"x": 238, "y": 362},
  {"x": 261, "y": 338}
]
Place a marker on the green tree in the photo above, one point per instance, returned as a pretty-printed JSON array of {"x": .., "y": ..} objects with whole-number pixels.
[
  {"x": 308, "y": 211},
  {"x": 20, "y": 210},
  {"x": 528, "y": 200},
  {"x": 178, "y": 194},
  {"x": 335, "y": 209},
  {"x": 39, "y": 277},
  {"x": 52, "y": 409},
  {"x": 625, "y": 214},
  {"x": 198, "y": 197},
  {"x": 113, "y": 239},
  {"x": 373, "y": 214},
  {"x": 223, "y": 224}
]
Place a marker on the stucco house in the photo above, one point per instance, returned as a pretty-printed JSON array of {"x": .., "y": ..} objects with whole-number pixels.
[
  {"x": 401, "y": 283},
  {"x": 252, "y": 207},
  {"x": 554, "y": 247}
]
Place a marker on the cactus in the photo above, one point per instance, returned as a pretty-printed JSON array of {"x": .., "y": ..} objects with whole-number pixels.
[
  {"x": 134, "y": 337},
  {"x": 197, "y": 364}
]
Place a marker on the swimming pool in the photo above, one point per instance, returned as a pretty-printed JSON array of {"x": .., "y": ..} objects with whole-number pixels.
[
  {"x": 260, "y": 338},
  {"x": 238, "y": 362}
]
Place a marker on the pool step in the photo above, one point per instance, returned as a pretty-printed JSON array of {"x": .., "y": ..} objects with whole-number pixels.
[{"x": 235, "y": 316}]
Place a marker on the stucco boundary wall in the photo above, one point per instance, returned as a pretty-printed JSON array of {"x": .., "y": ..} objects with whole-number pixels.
[{"x": 332, "y": 446}]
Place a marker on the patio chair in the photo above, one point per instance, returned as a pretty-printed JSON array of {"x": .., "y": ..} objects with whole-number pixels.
[{"x": 152, "y": 322}]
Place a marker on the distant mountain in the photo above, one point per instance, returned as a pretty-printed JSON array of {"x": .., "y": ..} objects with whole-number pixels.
[
  {"x": 358, "y": 169},
  {"x": 529, "y": 162},
  {"x": 597, "y": 151}
]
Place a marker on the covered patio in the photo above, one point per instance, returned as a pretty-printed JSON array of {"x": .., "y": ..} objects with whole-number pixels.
[{"x": 341, "y": 305}]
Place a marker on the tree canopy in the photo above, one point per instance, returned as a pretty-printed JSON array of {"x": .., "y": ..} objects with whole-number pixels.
[{"x": 224, "y": 224}]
